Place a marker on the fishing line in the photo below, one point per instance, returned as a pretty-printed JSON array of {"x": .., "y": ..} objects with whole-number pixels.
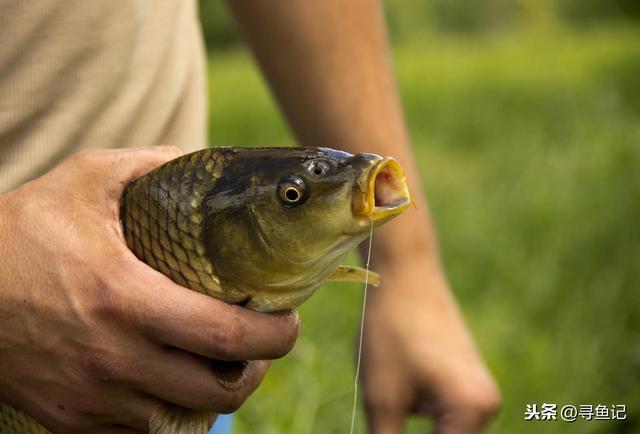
[{"x": 364, "y": 306}]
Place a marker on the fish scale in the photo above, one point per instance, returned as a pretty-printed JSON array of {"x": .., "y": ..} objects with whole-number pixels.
[
  {"x": 163, "y": 217},
  {"x": 14, "y": 421}
]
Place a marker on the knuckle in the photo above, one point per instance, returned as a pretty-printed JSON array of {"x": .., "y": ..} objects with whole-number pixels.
[
  {"x": 484, "y": 404},
  {"x": 232, "y": 401},
  {"x": 228, "y": 338},
  {"x": 107, "y": 310},
  {"x": 102, "y": 365},
  {"x": 490, "y": 404},
  {"x": 105, "y": 302}
]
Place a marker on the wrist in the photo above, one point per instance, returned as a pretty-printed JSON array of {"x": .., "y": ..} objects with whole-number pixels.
[
  {"x": 410, "y": 267},
  {"x": 407, "y": 239}
]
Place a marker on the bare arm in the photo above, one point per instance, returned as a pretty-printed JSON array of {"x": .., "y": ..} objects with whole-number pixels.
[{"x": 328, "y": 65}]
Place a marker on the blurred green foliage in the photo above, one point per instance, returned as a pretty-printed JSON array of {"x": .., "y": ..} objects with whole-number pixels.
[
  {"x": 217, "y": 27},
  {"x": 594, "y": 11},
  {"x": 528, "y": 143},
  {"x": 405, "y": 18}
]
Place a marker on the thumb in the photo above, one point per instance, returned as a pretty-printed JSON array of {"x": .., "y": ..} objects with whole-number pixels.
[
  {"x": 387, "y": 396},
  {"x": 115, "y": 167},
  {"x": 135, "y": 162}
]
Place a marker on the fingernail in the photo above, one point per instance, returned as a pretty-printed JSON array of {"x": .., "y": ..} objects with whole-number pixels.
[
  {"x": 231, "y": 374},
  {"x": 293, "y": 314}
]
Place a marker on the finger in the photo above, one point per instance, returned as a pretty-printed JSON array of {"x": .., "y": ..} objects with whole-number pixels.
[
  {"x": 471, "y": 410},
  {"x": 125, "y": 163},
  {"x": 132, "y": 163},
  {"x": 450, "y": 424},
  {"x": 142, "y": 160},
  {"x": 123, "y": 411},
  {"x": 387, "y": 397},
  {"x": 132, "y": 410},
  {"x": 188, "y": 381},
  {"x": 385, "y": 421},
  {"x": 177, "y": 316}
]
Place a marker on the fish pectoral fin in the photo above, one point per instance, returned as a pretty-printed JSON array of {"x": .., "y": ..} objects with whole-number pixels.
[
  {"x": 348, "y": 273},
  {"x": 170, "y": 419}
]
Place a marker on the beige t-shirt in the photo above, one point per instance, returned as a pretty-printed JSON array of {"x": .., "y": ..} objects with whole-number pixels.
[{"x": 80, "y": 74}]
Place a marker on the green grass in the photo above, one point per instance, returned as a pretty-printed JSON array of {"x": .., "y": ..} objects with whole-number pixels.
[{"x": 529, "y": 147}]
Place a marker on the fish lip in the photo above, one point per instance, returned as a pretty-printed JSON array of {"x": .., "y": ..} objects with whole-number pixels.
[{"x": 383, "y": 191}]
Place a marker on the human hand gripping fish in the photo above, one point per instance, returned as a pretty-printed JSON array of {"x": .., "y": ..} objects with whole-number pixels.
[{"x": 263, "y": 228}]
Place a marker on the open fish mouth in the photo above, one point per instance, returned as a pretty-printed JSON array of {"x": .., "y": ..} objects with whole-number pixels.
[{"x": 386, "y": 193}]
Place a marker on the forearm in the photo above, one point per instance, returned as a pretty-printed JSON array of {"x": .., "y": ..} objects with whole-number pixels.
[{"x": 329, "y": 66}]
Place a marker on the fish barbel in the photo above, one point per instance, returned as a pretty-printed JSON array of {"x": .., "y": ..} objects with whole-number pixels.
[{"x": 259, "y": 227}]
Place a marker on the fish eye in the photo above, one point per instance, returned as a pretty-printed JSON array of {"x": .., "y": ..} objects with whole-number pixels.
[
  {"x": 291, "y": 194},
  {"x": 318, "y": 167},
  {"x": 291, "y": 190}
]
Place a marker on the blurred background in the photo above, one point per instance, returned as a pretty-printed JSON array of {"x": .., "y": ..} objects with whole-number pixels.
[{"x": 525, "y": 118}]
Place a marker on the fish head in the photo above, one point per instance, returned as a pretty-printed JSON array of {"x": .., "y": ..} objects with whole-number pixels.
[{"x": 290, "y": 215}]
